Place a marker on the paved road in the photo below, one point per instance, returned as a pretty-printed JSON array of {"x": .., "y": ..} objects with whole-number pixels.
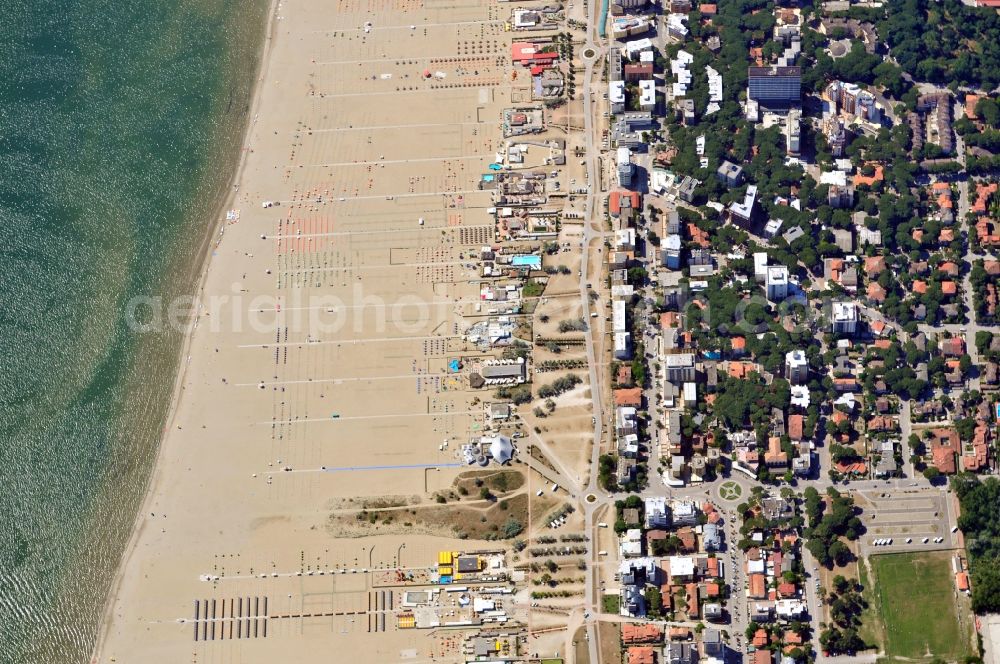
[{"x": 591, "y": 231}]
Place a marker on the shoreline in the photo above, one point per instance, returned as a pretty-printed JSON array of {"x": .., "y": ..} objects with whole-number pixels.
[
  {"x": 268, "y": 431},
  {"x": 202, "y": 268}
]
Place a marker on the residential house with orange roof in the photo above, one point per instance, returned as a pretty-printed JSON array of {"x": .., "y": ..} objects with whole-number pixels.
[
  {"x": 712, "y": 568},
  {"x": 679, "y": 633},
  {"x": 691, "y": 596},
  {"x": 642, "y": 633},
  {"x": 796, "y": 424},
  {"x": 881, "y": 424},
  {"x": 870, "y": 180},
  {"x": 775, "y": 457},
  {"x": 942, "y": 197},
  {"x": 688, "y": 539},
  {"x": 944, "y": 447},
  {"x": 970, "y": 105},
  {"x": 855, "y": 468},
  {"x": 698, "y": 236},
  {"x": 875, "y": 292},
  {"x": 758, "y": 586},
  {"x": 741, "y": 369},
  {"x": 787, "y": 590},
  {"x": 987, "y": 232},
  {"x": 953, "y": 347},
  {"x": 874, "y": 265},
  {"x": 628, "y": 397},
  {"x": 629, "y": 200},
  {"x": 847, "y": 384},
  {"x": 975, "y": 454},
  {"x": 641, "y": 655},
  {"x": 953, "y": 371},
  {"x": 983, "y": 194}
]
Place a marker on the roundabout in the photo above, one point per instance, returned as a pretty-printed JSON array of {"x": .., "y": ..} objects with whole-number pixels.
[{"x": 730, "y": 491}]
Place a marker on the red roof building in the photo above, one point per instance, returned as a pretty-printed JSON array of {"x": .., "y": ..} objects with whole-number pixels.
[
  {"x": 628, "y": 397},
  {"x": 976, "y": 454},
  {"x": 944, "y": 447},
  {"x": 874, "y": 265},
  {"x": 527, "y": 54},
  {"x": 953, "y": 347},
  {"x": 644, "y": 633},
  {"x": 775, "y": 457},
  {"x": 634, "y": 200},
  {"x": 641, "y": 655},
  {"x": 970, "y": 105},
  {"x": 691, "y": 592},
  {"x": 869, "y": 180},
  {"x": 712, "y": 569},
  {"x": 638, "y": 72},
  {"x": 786, "y": 589},
  {"x": 679, "y": 634},
  {"x": 758, "y": 586},
  {"x": 983, "y": 194}
]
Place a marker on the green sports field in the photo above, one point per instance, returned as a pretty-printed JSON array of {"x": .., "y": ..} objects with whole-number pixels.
[{"x": 914, "y": 593}]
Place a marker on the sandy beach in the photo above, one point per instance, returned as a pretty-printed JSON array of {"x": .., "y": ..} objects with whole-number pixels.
[{"x": 317, "y": 371}]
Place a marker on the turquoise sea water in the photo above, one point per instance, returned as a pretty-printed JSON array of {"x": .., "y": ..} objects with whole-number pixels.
[{"x": 120, "y": 124}]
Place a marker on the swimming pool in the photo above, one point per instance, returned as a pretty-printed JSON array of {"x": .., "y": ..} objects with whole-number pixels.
[{"x": 527, "y": 260}]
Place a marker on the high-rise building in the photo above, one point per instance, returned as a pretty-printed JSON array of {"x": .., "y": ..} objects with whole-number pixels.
[
  {"x": 679, "y": 368},
  {"x": 777, "y": 282},
  {"x": 845, "y": 318},
  {"x": 794, "y": 132},
  {"x": 796, "y": 367},
  {"x": 625, "y": 167},
  {"x": 775, "y": 87}
]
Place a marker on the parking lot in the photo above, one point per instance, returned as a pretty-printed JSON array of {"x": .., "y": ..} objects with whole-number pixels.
[{"x": 911, "y": 520}]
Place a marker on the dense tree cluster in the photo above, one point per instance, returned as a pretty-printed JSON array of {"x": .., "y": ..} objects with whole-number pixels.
[
  {"x": 846, "y": 605},
  {"x": 944, "y": 42},
  {"x": 741, "y": 401},
  {"x": 827, "y": 526},
  {"x": 980, "y": 524}
]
